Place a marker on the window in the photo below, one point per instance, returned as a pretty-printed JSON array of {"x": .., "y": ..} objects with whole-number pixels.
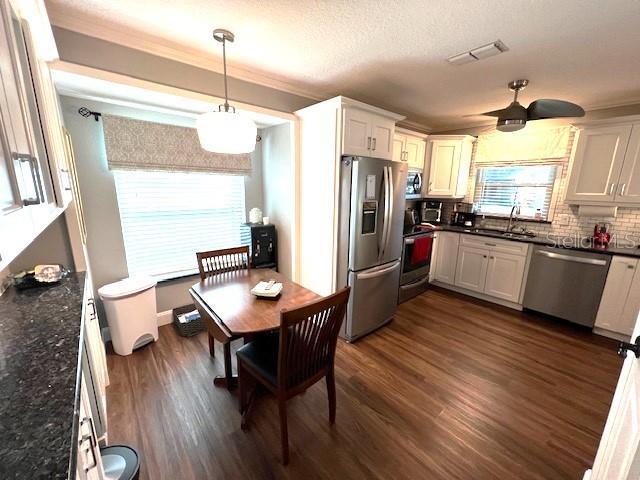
[
  {"x": 169, "y": 216},
  {"x": 529, "y": 186}
]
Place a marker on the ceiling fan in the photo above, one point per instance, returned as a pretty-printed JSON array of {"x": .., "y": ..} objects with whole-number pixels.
[{"x": 515, "y": 116}]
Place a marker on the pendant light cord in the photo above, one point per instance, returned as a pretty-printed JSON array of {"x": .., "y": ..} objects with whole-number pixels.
[{"x": 224, "y": 63}]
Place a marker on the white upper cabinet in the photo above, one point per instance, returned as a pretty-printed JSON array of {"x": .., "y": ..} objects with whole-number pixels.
[
  {"x": 621, "y": 297},
  {"x": 398, "y": 147},
  {"x": 605, "y": 168},
  {"x": 367, "y": 134},
  {"x": 448, "y": 161},
  {"x": 357, "y": 132},
  {"x": 410, "y": 148},
  {"x": 629, "y": 184}
]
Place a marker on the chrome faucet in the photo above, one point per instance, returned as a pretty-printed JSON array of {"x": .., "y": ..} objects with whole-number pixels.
[{"x": 516, "y": 209}]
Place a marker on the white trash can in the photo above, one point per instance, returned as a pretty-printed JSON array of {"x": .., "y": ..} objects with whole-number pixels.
[{"x": 131, "y": 312}]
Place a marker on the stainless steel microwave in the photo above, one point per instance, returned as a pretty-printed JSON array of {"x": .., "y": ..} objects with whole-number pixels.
[{"x": 414, "y": 184}]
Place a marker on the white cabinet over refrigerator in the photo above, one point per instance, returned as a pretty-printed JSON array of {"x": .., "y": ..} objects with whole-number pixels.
[{"x": 367, "y": 134}]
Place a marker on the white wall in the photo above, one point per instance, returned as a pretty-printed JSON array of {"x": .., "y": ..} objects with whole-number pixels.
[{"x": 279, "y": 188}]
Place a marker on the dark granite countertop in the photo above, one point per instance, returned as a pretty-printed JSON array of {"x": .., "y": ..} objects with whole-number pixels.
[
  {"x": 571, "y": 243},
  {"x": 40, "y": 342}
]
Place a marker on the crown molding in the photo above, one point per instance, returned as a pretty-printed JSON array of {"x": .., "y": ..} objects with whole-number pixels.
[
  {"x": 160, "y": 88},
  {"x": 114, "y": 33}
]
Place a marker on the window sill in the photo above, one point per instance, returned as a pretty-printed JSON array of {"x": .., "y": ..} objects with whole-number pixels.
[{"x": 165, "y": 278}]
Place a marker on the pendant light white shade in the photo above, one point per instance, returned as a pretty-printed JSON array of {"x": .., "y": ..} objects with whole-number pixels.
[{"x": 226, "y": 132}]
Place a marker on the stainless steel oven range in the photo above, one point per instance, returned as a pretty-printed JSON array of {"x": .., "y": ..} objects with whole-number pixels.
[{"x": 416, "y": 259}]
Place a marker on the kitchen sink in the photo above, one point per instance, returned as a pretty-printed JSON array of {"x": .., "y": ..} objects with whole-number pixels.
[
  {"x": 502, "y": 233},
  {"x": 518, "y": 235}
]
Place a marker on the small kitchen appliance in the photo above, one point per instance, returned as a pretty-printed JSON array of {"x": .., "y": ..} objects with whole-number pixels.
[
  {"x": 430, "y": 211},
  {"x": 601, "y": 237},
  {"x": 411, "y": 218},
  {"x": 463, "y": 219}
]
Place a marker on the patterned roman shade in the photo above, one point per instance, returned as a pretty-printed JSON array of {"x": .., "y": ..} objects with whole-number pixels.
[
  {"x": 140, "y": 145},
  {"x": 529, "y": 145}
]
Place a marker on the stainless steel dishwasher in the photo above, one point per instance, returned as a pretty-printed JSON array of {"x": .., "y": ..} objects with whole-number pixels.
[{"x": 566, "y": 283}]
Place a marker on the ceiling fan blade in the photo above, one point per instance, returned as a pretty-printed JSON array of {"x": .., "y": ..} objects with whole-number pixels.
[
  {"x": 514, "y": 110},
  {"x": 494, "y": 113},
  {"x": 549, "y": 108}
]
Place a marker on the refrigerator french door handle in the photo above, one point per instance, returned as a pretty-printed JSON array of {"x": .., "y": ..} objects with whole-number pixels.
[
  {"x": 387, "y": 210},
  {"x": 384, "y": 218},
  {"x": 378, "y": 273},
  {"x": 390, "y": 203}
]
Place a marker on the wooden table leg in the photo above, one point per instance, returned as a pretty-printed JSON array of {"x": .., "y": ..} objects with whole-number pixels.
[
  {"x": 212, "y": 346},
  {"x": 230, "y": 381}
]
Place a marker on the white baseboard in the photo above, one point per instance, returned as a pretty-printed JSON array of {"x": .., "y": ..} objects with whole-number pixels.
[
  {"x": 614, "y": 335},
  {"x": 165, "y": 318},
  {"x": 481, "y": 296}
]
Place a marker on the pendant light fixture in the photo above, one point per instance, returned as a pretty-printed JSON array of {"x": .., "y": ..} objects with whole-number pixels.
[{"x": 224, "y": 130}]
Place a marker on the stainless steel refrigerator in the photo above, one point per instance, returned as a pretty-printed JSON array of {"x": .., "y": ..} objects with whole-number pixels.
[{"x": 370, "y": 219}]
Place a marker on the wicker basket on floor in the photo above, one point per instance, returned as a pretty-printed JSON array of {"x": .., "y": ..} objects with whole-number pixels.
[{"x": 187, "y": 329}]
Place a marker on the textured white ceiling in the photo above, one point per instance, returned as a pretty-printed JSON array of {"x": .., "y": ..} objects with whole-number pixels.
[{"x": 393, "y": 53}]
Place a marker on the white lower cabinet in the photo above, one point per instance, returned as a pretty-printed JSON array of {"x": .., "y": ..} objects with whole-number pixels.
[
  {"x": 493, "y": 268},
  {"x": 88, "y": 462},
  {"x": 505, "y": 275},
  {"x": 446, "y": 257},
  {"x": 620, "y": 302},
  {"x": 472, "y": 268}
]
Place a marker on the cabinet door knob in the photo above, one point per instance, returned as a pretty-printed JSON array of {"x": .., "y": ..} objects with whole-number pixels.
[
  {"x": 368, "y": 143},
  {"x": 374, "y": 144},
  {"x": 624, "y": 185},
  {"x": 630, "y": 267},
  {"x": 611, "y": 187}
]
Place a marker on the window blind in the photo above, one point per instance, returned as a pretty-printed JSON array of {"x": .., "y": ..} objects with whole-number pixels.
[
  {"x": 530, "y": 187},
  {"x": 167, "y": 217}
]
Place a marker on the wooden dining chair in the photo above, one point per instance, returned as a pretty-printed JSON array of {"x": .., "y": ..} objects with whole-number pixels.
[
  {"x": 225, "y": 260},
  {"x": 294, "y": 358},
  {"x": 215, "y": 262}
]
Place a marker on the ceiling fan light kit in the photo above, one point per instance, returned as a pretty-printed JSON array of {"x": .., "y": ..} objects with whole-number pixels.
[
  {"x": 224, "y": 130},
  {"x": 515, "y": 116}
]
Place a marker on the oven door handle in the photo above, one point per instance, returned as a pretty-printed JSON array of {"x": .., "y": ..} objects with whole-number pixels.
[{"x": 415, "y": 283}]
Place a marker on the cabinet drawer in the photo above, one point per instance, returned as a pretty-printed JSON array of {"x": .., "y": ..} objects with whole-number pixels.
[{"x": 495, "y": 244}]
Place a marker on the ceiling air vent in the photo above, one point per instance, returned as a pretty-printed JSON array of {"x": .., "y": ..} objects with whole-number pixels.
[{"x": 479, "y": 53}]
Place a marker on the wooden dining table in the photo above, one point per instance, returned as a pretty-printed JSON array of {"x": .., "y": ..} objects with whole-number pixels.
[{"x": 230, "y": 310}]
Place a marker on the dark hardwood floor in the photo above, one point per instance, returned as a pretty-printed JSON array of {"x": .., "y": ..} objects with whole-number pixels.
[{"x": 453, "y": 388}]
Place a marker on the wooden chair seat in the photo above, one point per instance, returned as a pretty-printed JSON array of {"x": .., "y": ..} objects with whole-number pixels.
[{"x": 261, "y": 355}]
